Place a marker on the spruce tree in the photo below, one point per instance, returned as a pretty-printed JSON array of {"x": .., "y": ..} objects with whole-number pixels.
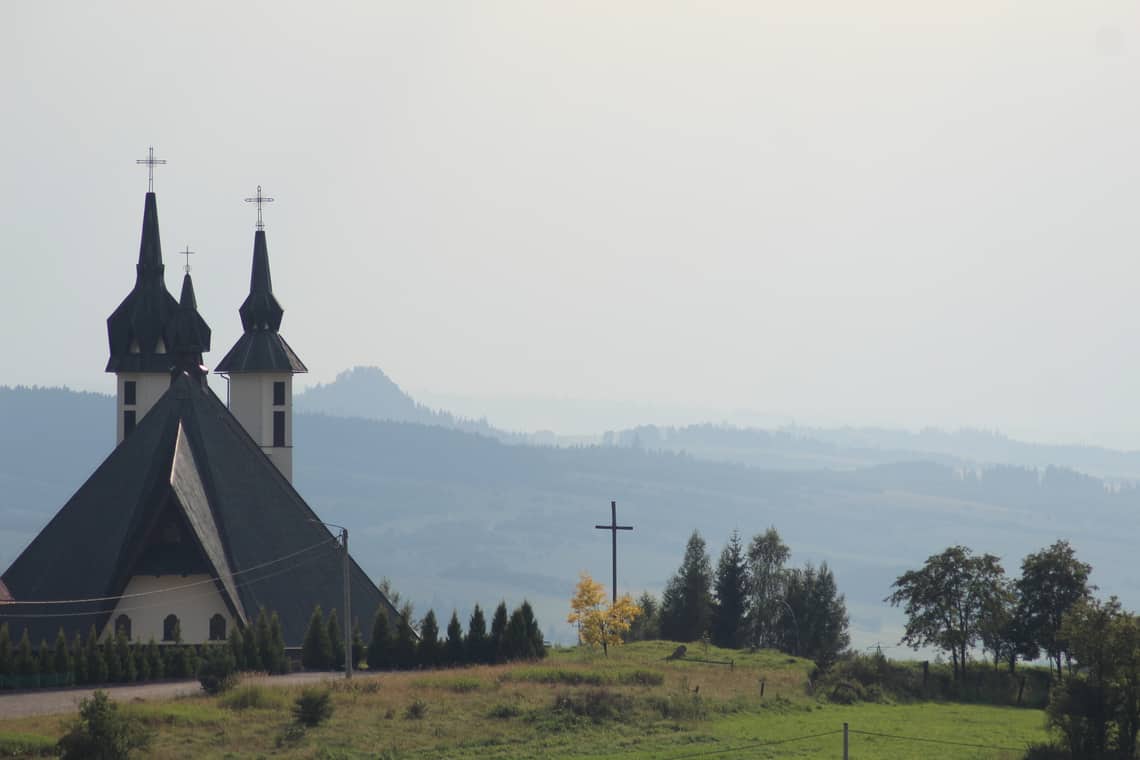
[
  {"x": 404, "y": 651},
  {"x": 381, "y": 645},
  {"x": 237, "y": 648},
  {"x": 515, "y": 645},
  {"x": 358, "y": 645},
  {"x": 731, "y": 588},
  {"x": 476, "y": 643},
  {"x": 251, "y": 658},
  {"x": 264, "y": 641},
  {"x": 498, "y": 633},
  {"x": 536, "y": 646},
  {"x": 111, "y": 656},
  {"x": 647, "y": 625},
  {"x": 280, "y": 664},
  {"x": 336, "y": 640},
  {"x": 142, "y": 662},
  {"x": 123, "y": 655},
  {"x": 154, "y": 657},
  {"x": 61, "y": 660},
  {"x": 429, "y": 649},
  {"x": 6, "y": 667},
  {"x": 26, "y": 663},
  {"x": 45, "y": 663},
  {"x": 455, "y": 653},
  {"x": 79, "y": 659},
  {"x": 686, "y": 608},
  {"x": 316, "y": 648},
  {"x": 96, "y": 662}
]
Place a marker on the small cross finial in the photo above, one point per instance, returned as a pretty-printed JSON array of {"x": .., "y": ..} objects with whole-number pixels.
[
  {"x": 150, "y": 162},
  {"x": 260, "y": 200},
  {"x": 187, "y": 253}
]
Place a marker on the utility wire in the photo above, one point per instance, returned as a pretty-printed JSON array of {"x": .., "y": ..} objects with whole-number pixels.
[
  {"x": 172, "y": 588},
  {"x": 758, "y": 746},
  {"x": 935, "y": 741}
]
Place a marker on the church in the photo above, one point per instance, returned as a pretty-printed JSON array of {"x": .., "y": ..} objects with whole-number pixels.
[{"x": 191, "y": 525}]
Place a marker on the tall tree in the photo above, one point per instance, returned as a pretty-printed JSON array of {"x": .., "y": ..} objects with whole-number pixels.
[
  {"x": 767, "y": 555},
  {"x": 686, "y": 606},
  {"x": 476, "y": 641},
  {"x": 1052, "y": 581},
  {"x": 647, "y": 625},
  {"x": 946, "y": 600},
  {"x": 731, "y": 587},
  {"x": 536, "y": 645},
  {"x": 381, "y": 645},
  {"x": 429, "y": 649},
  {"x": 498, "y": 632},
  {"x": 336, "y": 638},
  {"x": 404, "y": 650},
  {"x": 5, "y": 650},
  {"x": 454, "y": 644},
  {"x": 816, "y": 626},
  {"x": 599, "y": 622},
  {"x": 317, "y": 650}
]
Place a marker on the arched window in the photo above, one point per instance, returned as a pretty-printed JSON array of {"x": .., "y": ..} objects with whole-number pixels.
[
  {"x": 170, "y": 629},
  {"x": 217, "y": 628},
  {"x": 123, "y": 626}
]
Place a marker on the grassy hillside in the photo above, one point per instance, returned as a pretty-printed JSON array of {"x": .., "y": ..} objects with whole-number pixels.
[{"x": 633, "y": 704}]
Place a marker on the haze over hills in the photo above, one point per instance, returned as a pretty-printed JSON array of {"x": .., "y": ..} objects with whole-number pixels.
[{"x": 454, "y": 517}]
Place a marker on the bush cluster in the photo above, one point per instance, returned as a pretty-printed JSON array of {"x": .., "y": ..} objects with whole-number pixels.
[{"x": 85, "y": 660}]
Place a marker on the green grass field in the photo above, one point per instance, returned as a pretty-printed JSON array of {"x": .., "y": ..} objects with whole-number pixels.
[{"x": 575, "y": 704}]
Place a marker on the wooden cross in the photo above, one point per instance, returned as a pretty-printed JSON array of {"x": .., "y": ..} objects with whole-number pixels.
[
  {"x": 613, "y": 528},
  {"x": 259, "y": 199},
  {"x": 187, "y": 253},
  {"x": 150, "y": 162}
]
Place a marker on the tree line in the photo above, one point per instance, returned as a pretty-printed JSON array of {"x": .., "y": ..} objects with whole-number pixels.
[
  {"x": 87, "y": 660},
  {"x": 395, "y": 645},
  {"x": 753, "y": 599}
]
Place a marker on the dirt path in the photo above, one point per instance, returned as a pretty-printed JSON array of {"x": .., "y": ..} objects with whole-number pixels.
[{"x": 53, "y": 701}]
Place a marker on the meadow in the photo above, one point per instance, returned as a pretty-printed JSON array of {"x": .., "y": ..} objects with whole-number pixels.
[{"x": 575, "y": 704}]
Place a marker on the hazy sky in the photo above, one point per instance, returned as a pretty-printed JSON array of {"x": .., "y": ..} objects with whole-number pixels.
[{"x": 878, "y": 212}]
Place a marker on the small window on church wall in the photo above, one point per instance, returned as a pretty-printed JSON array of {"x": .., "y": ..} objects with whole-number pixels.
[
  {"x": 279, "y": 393},
  {"x": 278, "y": 429},
  {"x": 123, "y": 626},
  {"x": 128, "y": 422},
  {"x": 217, "y": 628},
  {"x": 170, "y": 629},
  {"x": 129, "y": 393}
]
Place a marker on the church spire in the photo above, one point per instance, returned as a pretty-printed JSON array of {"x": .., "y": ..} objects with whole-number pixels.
[
  {"x": 261, "y": 311},
  {"x": 188, "y": 334}
]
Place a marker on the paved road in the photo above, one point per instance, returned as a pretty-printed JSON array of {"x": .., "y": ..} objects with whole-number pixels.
[{"x": 53, "y": 701}]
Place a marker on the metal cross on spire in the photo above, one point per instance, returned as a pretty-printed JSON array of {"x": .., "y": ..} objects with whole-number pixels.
[
  {"x": 613, "y": 527},
  {"x": 150, "y": 162},
  {"x": 187, "y": 253},
  {"x": 259, "y": 199}
]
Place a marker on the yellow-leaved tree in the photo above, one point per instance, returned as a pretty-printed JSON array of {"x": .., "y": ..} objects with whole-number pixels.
[{"x": 599, "y": 622}]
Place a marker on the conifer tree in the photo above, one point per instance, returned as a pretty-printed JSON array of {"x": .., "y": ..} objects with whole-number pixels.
[
  {"x": 380, "y": 647},
  {"x": 142, "y": 662},
  {"x": 130, "y": 666},
  {"x": 123, "y": 655},
  {"x": 686, "y": 607},
  {"x": 252, "y": 657},
  {"x": 358, "y": 645},
  {"x": 536, "y": 646},
  {"x": 6, "y": 667},
  {"x": 264, "y": 641},
  {"x": 237, "y": 648},
  {"x": 515, "y": 643},
  {"x": 476, "y": 643},
  {"x": 731, "y": 588},
  {"x": 111, "y": 656},
  {"x": 154, "y": 657},
  {"x": 455, "y": 652},
  {"x": 26, "y": 663},
  {"x": 429, "y": 648},
  {"x": 647, "y": 625},
  {"x": 316, "y": 651},
  {"x": 336, "y": 639},
  {"x": 277, "y": 645},
  {"x": 79, "y": 659},
  {"x": 498, "y": 632},
  {"x": 45, "y": 663},
  {"x": 96, "y": 662},
  {"x": 404, "y": 651},
  {"x": 767, "y": 555},
  {"x": 61, "y": 660}
]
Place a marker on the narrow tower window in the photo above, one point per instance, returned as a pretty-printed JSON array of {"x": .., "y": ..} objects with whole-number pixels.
[
  {"x": 279, "y": 393},
  {"x": 128, "y": 422},
  {"x": 217, "y": 628},
  {"x": 278, "y": 429},
  {"x": 170, "y": 629},
  {"x": 129, "y": 393}
]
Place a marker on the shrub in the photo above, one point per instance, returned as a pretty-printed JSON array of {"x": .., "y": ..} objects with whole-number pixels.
[
  {"x": 416, "y": 710},
  {"x": 313, "y": 707},
  {"x": 1046, "y": 752},
  {"x": 217, "y": 671},
  {"x": 596, "y": 704},
  {"x": 102, "y": 732},
  {"x": 27, "y": 745},
  {"x": 679, "y": 706},
  {"x": 251, "y": 697},
  {"x": 642, "y": 678},
  {"x": 504, "y": 710}
]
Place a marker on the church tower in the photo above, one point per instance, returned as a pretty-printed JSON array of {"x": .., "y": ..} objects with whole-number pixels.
[
  {"x": 261, "y": 364},
  {"x": 136, "y": 331}
]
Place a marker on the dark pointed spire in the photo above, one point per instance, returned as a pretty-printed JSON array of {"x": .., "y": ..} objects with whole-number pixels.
[
  {"x": 188, "y": 335},
  {"x": 135, "y": 329},
  {"x": 261, "y": 311}
]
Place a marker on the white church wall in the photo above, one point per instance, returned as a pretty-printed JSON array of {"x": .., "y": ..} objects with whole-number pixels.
[
  {"x": 251, "y": 401},
  {"x": 149, "y": 387},
  {"x": 194, "y": 607}
]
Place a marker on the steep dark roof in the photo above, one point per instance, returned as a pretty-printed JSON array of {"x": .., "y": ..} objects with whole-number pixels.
[
  {"x": 191, "y": 455},
  {"x": 261, "y": 348},
  {"x": 187, "y": 334},
  {"x": 135, "y": 328}
]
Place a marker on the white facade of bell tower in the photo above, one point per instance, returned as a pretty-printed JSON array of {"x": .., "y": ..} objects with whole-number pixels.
[
  {"x": 263, "y": 404},
  {"x": 137, "y": 393}
]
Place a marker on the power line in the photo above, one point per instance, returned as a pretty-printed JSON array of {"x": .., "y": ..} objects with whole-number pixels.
[
  {"x": 173, "y": 588},
  {"x": 758, "y": 746},
  {"x": 936, "y": 741}
]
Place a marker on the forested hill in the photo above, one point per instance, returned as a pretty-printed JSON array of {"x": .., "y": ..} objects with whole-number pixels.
[{"x": 454, "y": 518}]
